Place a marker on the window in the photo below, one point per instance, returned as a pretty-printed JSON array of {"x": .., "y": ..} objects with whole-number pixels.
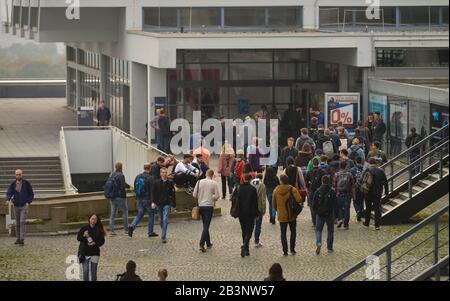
[
  {"x": 417, "y": 15},
  {"x": 200, "y": 17},
  {"x": 284, "y": 17},
  {"x": 245, "y": 17}
]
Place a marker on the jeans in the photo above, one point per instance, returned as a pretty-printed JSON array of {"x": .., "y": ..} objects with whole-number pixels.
[
  {"x": 311, "y": 205},
  {"x": 258, "y": 223},
  {"x": 163, "y": 214},
  {"x": 93, "y": 266},
  {"x": 185, "y": 180},
  {"x": 206, "y": 214},
  {"x": 344, "y": 201},
  {"x": 413, "y": 157},
  {"x": 358, "y": 204},
  {"x": 272, "y": 212},
  {"x": 320, "y": 222},
  {"x": 373, "y": 202},
  {"x": 144, "y": 206},
  {"x": 21, "y": 218},
  {"x": 293, "y": 228},
  {"x": 118, "y": 203},
  {"x": 247, "y": 225},
  {"x": 226, "y": 180}
]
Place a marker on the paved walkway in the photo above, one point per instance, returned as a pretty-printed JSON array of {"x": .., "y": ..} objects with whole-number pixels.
[{"x": 30, "y": 127}]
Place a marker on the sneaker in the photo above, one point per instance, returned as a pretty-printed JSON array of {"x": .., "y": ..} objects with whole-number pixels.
[
  {"x": 153, "y": 234},
  {"x": 285, "y": 253},
  {"x": 17, "y": 242},
  {"x": 377, "y": 228},
  {"x": 130, "y": 231},
  {"x": 318, "y": 250},
  {"x": 21, "y": 242},
  {"x": 340, "y": 223},
  {"x": 202, "y": 249},
  {"x": 365, "y": 225},
  {"x": 112, "y": 233},
  {"x": 272, "y": 221},
  {"x": 345, "y": 227},
  {"x": 358, "y": 219},
  {"x": 330, "y": 250},
  {"x": 242, "y": 252},
  {"x": 164, "y": 241},
  {"x": 258, "y": 245},
  {"x": 293, "y": 252},
  {"x": 247, "y": 252},
  {"x": 209, "y": 246}
]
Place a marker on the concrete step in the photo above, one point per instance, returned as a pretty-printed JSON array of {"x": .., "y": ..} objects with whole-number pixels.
[
  {"x": 5, "y": 159},
  {"x": 37, "y": 162},
  {"x": 35, "y": 181},
  {"x": 26, "y": 172},
  {"x": 31, "y": 165},
  {"x": 31, "y": 177}
]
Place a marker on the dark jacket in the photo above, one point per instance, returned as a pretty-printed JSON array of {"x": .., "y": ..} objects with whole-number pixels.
[
  {"x": 332, "y": 201},
  {"x": 379, "y": 129},
  {"x": 147, "y": 195},
  {"x": 164, "y": 193},
  {"x": 121, "y": 189},
  {"x": 303, "y": 159},
  {"x": 155, "y": 171},
  {"x": 286, "y": 153},
  {"x": 85, "y": 249},
  {"x": 128, "y": 277},
  {"x": 379, "y": 181},
  {"x": 164, "y": 125},
  {"x": 411, "y": 140},
  {"x": 26, "y": 194},
  {"x": 270, "y": 278},
  {"x": 103, "y": 116},
  {"x": 248, "y": 201}
]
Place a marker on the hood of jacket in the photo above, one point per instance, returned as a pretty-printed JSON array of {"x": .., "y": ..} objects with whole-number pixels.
[{"x": 284, "y": 189}]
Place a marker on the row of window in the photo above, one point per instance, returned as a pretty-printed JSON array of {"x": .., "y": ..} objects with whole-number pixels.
[
  {"x": 412, "y": 57},
  {"x": 220, "y": 18},
  {"x": 23, "y": 15}
]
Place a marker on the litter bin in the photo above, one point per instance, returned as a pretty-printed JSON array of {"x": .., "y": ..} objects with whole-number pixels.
[{"x": 85, "y": 116}]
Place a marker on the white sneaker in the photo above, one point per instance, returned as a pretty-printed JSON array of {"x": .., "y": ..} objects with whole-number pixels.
[{"x": 258, "y": 245}]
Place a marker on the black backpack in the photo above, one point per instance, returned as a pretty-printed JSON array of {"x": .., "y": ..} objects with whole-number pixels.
[
  {"x": 316, "y": 180},
  {"x": 292, "y": 204},
  {"x": 322, "y": 208}
]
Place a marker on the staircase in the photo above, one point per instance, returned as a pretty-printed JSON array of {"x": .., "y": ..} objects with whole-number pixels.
[
  {"x": 416, "y": 185},
  {"x": 44, "y": 174}
]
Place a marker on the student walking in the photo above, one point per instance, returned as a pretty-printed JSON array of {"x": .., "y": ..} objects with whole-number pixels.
[
  {"x": 271, "y": 181},
  {"x": 143, "y": 185},
  {"x": 372, "y": 183},
  {"x": 286, "y": 217},
  {"x": 163, "y": 198},
  {"x": 119, "y": 198},
  {"x": 247, "y": 202},
  {"x": 262, "y": 195},
  {"x": 313, "y": 183},
  {"x": 91, "y": 238},
  {"x": 207, "y": 193},
  {"x": 225, "y": 162},
  {"x": 20, "y": 194},
  {"x": 323, "y": 204},
  {"x": 103, "y": 114},
  {"x": 344, "y": 186}
]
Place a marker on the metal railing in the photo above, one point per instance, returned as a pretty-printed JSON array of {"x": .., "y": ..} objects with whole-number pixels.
[
  {"x": 387, "y": 250},
  {"x": 431, "y": 152},
  {"x": 435, "y": 271}
]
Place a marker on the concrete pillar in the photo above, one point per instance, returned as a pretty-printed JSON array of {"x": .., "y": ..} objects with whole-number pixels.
[
  {"x": 77, "y": 81},
  {"x": 310, "y": 17},
  {"x": 157, "y": 87},
  {"x": 138, "y": 99},
  {"x": 365, "y": 92},
  {"x": 343, "y": 78}
]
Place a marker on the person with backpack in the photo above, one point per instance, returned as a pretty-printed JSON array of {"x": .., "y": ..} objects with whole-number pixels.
[
  {"x": 358, "y": 202},
  {"x": 373, "y": 181},
  {"x": 237, "y": 167},
  {"x": 344, "y": 158},
  {"x": 362, "y": 141},
  {"x": 303, "y": 157},
  {"x": 116, "y": 191},
  {"x": 246, "y": 200},
  {"x": 323, "y": 205},
  {"x": 91, "y": 238},
  {"x": 313, "y": 130},
  {"x": 412, "y": 140},
  {"x": 283, "y": 196},
  {"x": 262, "y": 195},
  {"x": 313, "y": 183},
  {"x": 377, "y": 153},
  {"x": 305, "y": 139},
  {"x": 163, "y": 199},
  {"x": 327, "y": 144},
  {"x": 271, "y": 181},
  {"x": 355, "y": 151},
  {"x": 143, "y": 185},
  {"x": 288, "y": 151},
  {"x": 317, "y": 156},
  {"x": 207, "y": 193},
  {"x": 344, "y": 186},
  {"x": 334, "y": 165},
  {"x": 130, "y": 274}
]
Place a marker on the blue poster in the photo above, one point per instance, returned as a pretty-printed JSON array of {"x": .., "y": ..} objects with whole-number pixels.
[
  {"x": 378, "y": 103},
  {"x": 244, "y": 108}
]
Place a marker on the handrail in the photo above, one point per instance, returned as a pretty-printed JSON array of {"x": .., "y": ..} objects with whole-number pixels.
[
  {"x": 64, "y": 158},
  {"x": 415, "y": 146},
  {"x": 388, "y": 247},
  {"x": 432, "y": 270}
]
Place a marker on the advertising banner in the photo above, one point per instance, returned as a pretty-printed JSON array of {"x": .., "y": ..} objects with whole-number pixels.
[
  {"x": 344, "y": 107},
  {"x": 378, "y": 103}
]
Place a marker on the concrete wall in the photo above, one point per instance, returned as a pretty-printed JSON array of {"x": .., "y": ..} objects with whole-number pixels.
[
  {"x": 138, "y": 100},
  {"x": 89, "y": 151}
]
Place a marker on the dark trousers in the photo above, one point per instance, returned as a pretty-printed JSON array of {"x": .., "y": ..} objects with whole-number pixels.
[
  {"x": 293, "y": 228},
  {"x": 226, "y": 180},
  {"x": 373, "y": 202},
  {"x": 247, "y": 226},
  {"x": 206, "y": 214},
  {"x": 311, "y": 209},
  {"x": 185, "y": 180}
]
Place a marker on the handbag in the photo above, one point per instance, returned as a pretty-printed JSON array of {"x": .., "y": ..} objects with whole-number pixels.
[
  {"x": 196, "y": 213},
  {"x": 303, "y": 192}
]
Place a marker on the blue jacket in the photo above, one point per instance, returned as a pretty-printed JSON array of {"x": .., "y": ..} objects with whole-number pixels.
[{"x": 26, "y": 194}]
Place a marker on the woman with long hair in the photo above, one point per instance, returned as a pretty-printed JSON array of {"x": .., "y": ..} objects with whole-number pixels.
[
  {"x": 91, "y": 238},
  {"x": 271, "y": 181}
]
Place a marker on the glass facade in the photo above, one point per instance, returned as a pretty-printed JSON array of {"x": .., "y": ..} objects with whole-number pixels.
[
  {"x": 237, "y": 83},
  {"x": 390, "y": 18},
  {"x": 412, "y": 57},
  {"x": 185, "y": 19}
]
